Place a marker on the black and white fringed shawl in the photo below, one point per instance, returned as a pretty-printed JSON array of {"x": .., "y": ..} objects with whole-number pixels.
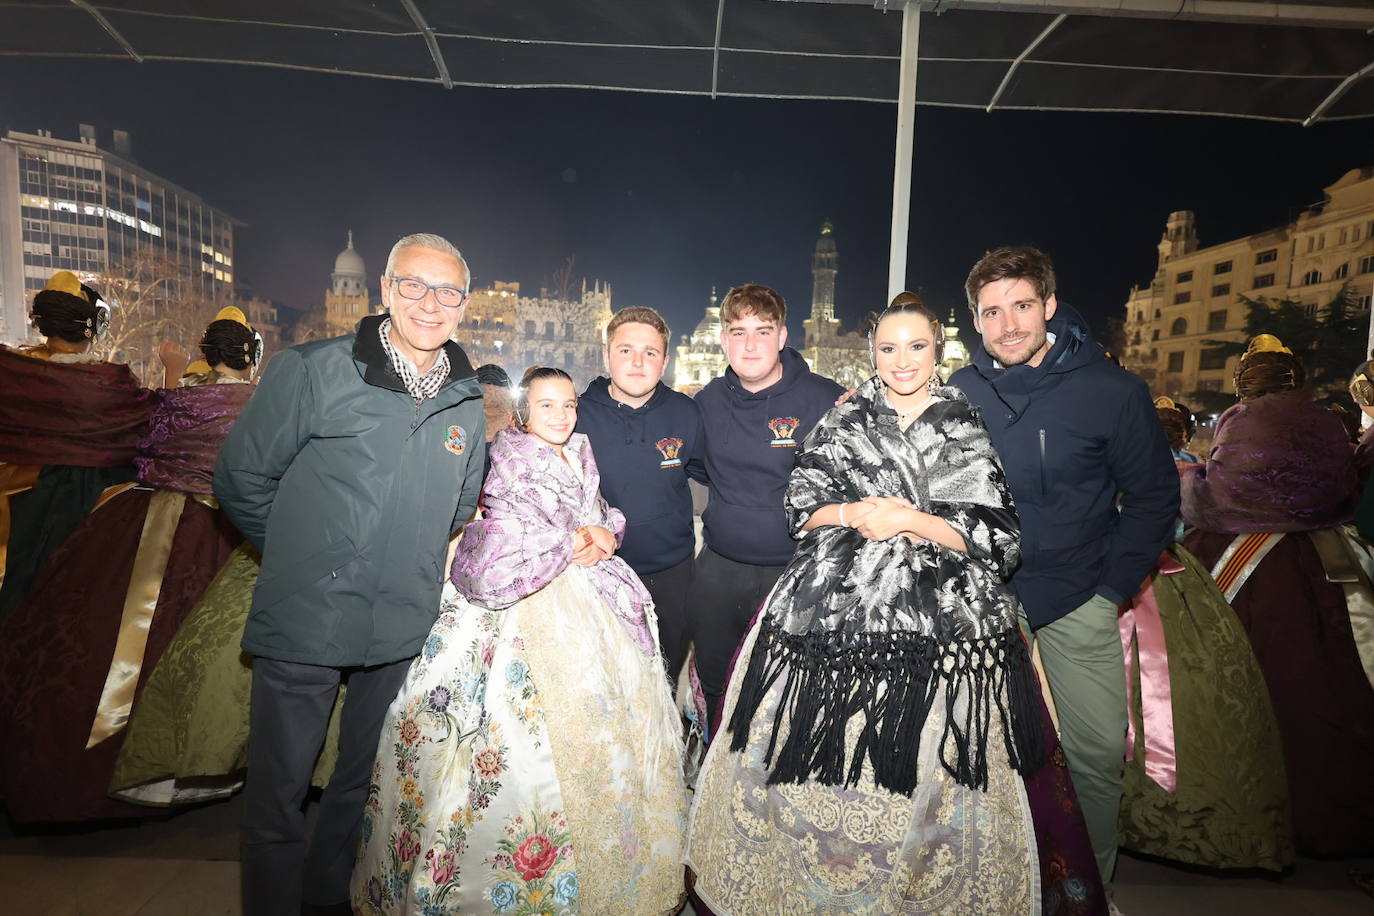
[{"x": 877, "y": 628}]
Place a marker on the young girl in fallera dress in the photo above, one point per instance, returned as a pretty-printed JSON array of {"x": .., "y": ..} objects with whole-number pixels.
[{"x": 531, "y": 761}]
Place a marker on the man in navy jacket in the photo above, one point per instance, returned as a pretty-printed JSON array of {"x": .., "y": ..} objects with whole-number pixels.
[
  {"x": 647, "y": 439},
  {"x": 1095, "y": 487},
  {"x": 756, "y": 415}
]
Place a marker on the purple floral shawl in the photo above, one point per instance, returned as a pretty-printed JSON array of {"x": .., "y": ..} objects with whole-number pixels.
[
  {"x": 1278, "y": 463},
  {"x": 186, "y": 432},
  {"x": 533, "y": 503}
]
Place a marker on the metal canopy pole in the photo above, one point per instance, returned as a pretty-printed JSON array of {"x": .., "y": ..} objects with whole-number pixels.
[{"x": 906, "y": 137}]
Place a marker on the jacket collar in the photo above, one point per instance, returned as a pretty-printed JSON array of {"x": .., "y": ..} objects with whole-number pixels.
[
  {"x": 376, "y": 369},
  {"x": 1073, "y": 348}
]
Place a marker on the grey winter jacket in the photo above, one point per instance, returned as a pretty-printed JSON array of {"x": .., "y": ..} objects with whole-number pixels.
[{"x": 351, "y": 491}]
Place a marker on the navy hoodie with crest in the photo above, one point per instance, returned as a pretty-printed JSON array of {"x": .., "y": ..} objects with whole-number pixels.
[
  {"x": 645, "y": 455},
  {"x": 752, "y": 439}
]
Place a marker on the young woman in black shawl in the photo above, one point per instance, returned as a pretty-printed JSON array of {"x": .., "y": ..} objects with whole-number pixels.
[{"x": 886, "y": 744}]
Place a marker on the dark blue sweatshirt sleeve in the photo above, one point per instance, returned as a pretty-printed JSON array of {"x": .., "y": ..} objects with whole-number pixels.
[
  {"x": 1143, "y": 469},
  {"x": 696, "y": 464}
]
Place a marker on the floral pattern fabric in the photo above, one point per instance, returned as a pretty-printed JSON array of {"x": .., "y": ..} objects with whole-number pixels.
[
  {"x": 510, "y": 776},
  {"x": 531, "y": 763}
]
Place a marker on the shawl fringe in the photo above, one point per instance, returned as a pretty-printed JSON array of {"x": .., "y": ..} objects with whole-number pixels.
[{"x": 893, "y": 679}]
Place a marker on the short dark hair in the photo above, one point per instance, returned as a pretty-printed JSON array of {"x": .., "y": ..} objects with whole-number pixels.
[
  {"x": 492, "y": 374},
  {"x": 1011, "y": 262},
  {"x": 763, "y": 302},
  {"x": 639, "y": 314}
]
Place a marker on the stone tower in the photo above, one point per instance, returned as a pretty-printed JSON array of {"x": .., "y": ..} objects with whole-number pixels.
[
  {"x": 828, "y": 350},
  {"x": 825, "y": 264},
  {"x": 1180, "y": 237}
]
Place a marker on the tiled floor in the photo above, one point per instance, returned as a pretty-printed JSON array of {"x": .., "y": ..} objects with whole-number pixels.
[{"x": 187, "y": 865}]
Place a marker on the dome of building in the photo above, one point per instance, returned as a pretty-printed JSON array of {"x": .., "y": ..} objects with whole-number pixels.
[{"x": 349, "y": 262}]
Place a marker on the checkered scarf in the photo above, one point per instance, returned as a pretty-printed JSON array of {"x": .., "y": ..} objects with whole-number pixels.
[{"x": 419, "y": 386}]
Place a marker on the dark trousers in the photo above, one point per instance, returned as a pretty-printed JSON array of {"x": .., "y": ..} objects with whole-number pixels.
[
  {"x": 724, "y": 597},
  {"x": 668, "y": 587},
  {"x": 289, "y": 715}
]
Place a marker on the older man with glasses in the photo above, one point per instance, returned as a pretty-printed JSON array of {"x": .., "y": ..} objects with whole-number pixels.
[{"x": 350, "y": 469}]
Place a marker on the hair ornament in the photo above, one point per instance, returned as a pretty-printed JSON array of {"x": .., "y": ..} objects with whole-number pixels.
[{"x": 1267, "y": 343}]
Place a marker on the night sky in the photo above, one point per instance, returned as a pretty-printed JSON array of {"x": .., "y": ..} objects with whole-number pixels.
[{"x": 667, "y": 196}]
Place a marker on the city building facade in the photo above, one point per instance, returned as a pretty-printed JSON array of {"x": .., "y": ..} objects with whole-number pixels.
[
  {"x": 828, "y": 350},
  {"x": 264, "y": 318},
  {"x": 956, "y": 354},
  {"x": 347, "y": 300},
  {"x": 844, "y": 355},
  {"x": 73, "y": 205},
  {"x": 1196, "y": 293},
  {"x": 700, "y": 356},
  {"x": 490, "y": 332},
  {"x": 500, "y": 325},
  {"x": 516, "y": 331}
]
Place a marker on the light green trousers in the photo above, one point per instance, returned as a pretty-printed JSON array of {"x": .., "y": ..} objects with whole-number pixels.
[{"x": 1081, "y": 653}]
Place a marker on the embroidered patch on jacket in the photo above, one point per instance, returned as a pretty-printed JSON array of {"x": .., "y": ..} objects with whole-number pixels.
[
  {"x": 669, "y": 448},
  {"x": 457, "y": 441},
  {"x": 783, "y": 428}
]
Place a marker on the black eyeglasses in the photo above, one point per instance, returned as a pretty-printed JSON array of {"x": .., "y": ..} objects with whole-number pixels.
[{"x": 448, "y": 296}]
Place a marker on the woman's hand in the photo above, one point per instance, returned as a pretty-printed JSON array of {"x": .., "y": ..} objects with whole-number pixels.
[
  {"x": 886, "y": 518},
  {"x": 853, "y": 512},
  {"x": 592, "y": 544}
]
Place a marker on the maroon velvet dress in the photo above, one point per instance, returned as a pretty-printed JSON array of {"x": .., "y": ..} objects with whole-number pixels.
[
  {"x": 68, "y": 430},
  {"x": 74, "y": 656},
  {"x": 1282, "y": 465}
]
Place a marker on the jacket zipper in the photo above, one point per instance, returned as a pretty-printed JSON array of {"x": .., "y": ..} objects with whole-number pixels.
[{"x": 1044, "y": 483}]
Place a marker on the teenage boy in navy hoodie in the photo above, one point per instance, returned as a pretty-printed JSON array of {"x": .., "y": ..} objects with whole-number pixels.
[
  {"x": 647, "y": 439},
  {"x": 756, "y": 416}
]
